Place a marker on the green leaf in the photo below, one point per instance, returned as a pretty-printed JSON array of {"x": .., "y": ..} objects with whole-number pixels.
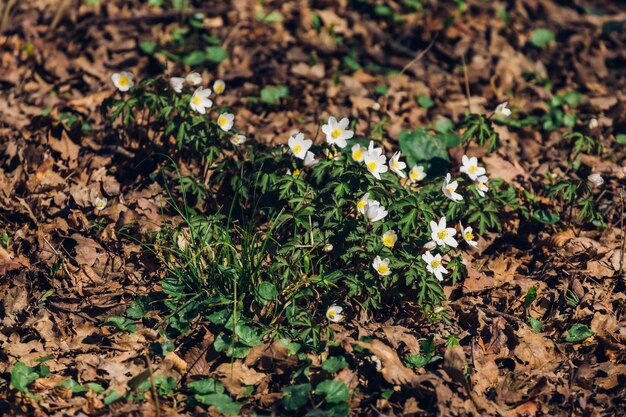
[
  {"x": 546, "y": 217},
  {"x": 333, "y": 391},
  {"x": 271, "y": 18},
  {"x": 266, "y": 292},
  {"x": 73, "y": 385},
  {"x": 334, "y": 364},
  {"x": 444, "y": 125},
  {"x": 541, "y": 37},
  {"x": 194, "y": 58},
  {"x": 22, "y": 376},
  {"x": 535, "y": 324},
  {"x": 531, "y": 295},
  {"x": 148, "y": 48},
  {"x": 621, "y": 139},
  {"x": 577, "y": 333},
  {"x": 111, "y": 397},
  {"x": 272, "y": 95},
  {"x": 121, "y": 323},
  {"x": 420, "y": 148},
  {"x": 222, "y": 402},
  {"x": 138, "y": 308},
  {"x": 296, "y": 396},
  {"x": 206, "y": 386},
  {"x": 95, "y": 387},
  {"x": 351, "y": 63},
  {"x": 216, "y": 54},
  {"x": 425, "y": 102}
]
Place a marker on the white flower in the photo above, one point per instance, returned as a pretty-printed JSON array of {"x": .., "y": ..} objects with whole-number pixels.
[
  {"x": 468, "y": 235},
  {"x": 375, "y": 162},
  {"x": 193, "y": 78},
  {"x": 177, "y": 83},
  {"x": 481, "y": 185},
  {"x": 309, "y": 159},
  {"x": 595, "y": 180},
  {"x": 238, "y": 139},
  {"x": 503, "y": 110},
  {"x": 100, "y": 203},
  {"x": 593, "y": 123},
  {"x": 200, "y": 100},
  {"x": 374, "y": 211},
  {"x": 334, "y": 314},
  {"x": 123, "y": 80},
  {"x": 449, "y": 189},
  {"x": 371, "y": 149},
  {"x": 362, "y": 203},
  {"x": 225, "y": 121},
  {"x": 441, "y": 234},
  {"x": 337, "y": 132},
  {"x": 358, "y": 152},
  {"x": 434, "y": 265},
  {"x": 328, "y": 247},
  {"x": 417, "y": 173},
  {"x": 471, "y": 168},
  {"x": 376, "y": 106},
  {"x": 298, "y": 145},
  {"x": 219, "y": 86},
  {"x": 381, "y": 266},
  {"x": 390, "y": 238},
  {"x": 396, "y": 165}
]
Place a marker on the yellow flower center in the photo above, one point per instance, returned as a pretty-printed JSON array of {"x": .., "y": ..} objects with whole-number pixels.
[
  {"x": 372, "y": 166},
  {"x": 330, "y": 155},
  {"x": 219, "y": 88},
  {"x": 196, "y": 100},
  {"x": 222, "y": 121},
  {"x": 360, "y": 205},
  {"x": 383, "y": 269},
  {"x": 296, "y": 172},
  {"x": 331, "y": 315},
  {"x": 388, "y": 241},
  {"x": 414, "y": 175},
  {"x": 450, "y": 189},
  {"x": 358, "y": 154},
  {"x": 335, "y": 133},
  {"x": 435, "y": 263},
  {"x": 442, "y": 234},
  {"x": 472, "y": 169},
  {"x": 395, "y": 164},
  {"x": 123, "y": 81},
  {"x": 297, "y": 149},
  {"x": 469, "y": 236}
]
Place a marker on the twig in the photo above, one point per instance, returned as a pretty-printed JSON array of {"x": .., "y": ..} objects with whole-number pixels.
[
  {"x": 155, "y": 393},
  {"x": 499, "y": 313},
  {"x": 467, "y": 88},
  {"x": 5, "y": 14},
  {"x": 420, "y": 55},
  {"x": 60, "y": 13}
]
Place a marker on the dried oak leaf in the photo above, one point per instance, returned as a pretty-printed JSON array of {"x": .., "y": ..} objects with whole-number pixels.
[
  {"x": 393, "y": 370},
  {"x": 236, "y": 376}
]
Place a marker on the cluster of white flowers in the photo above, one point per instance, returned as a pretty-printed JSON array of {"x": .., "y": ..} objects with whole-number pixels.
[
  {"x": 199, "y": 101},
  {"x": 475, "y": 173}
]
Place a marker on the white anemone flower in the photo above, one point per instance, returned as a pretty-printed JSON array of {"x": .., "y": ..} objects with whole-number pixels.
[
  {"x": 396, "y": 165},
  {"x": 362, "y": 203},
  {"x": 381, "y": 266},
  {"x": 471, "y": 168},
  {"x": 358, "y": 152},
  {"x": 374, "y": 211},
  {"x": 417, "y": 173},
  {"x": 374, "y": 150},
  {"x": 309, "y": 159},
  {"x": 434, "y": 265},
  {"x": 200, "y": 100},
  {"x": 298, "y": 145},
  {"x": 375, "y": 163},
  {"x": 481, "y": 185},
  {"x": 334, "y": 314},
  {"x": 337, "y": 132},
  {"x": 193, "y": 78},
  {"x": 503, "y": 110},
  {"x": 238, "y": 139},
  {"x": 177, "y": 83},
  {"x": 225, "y": 121},
  {"x": 123, "y": 81},
  {"x": 100, "y": 203},
  {"x": 390, "y": 238},
  {"x": 219, "y": 86},
  {"x": 449, "y": 189},
  {"x": 468, "y": 235},
  {"x": 441, "y": 234}
]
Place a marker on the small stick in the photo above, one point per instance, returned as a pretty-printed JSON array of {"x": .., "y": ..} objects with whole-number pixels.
[
  {"x": 5, "y": 14},
  {"x": 155, "y": 393},
  {"x": 467, "y": 88}
]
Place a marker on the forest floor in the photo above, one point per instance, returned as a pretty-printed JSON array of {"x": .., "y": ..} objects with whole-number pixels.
[{"x": 65, "y": 267}]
